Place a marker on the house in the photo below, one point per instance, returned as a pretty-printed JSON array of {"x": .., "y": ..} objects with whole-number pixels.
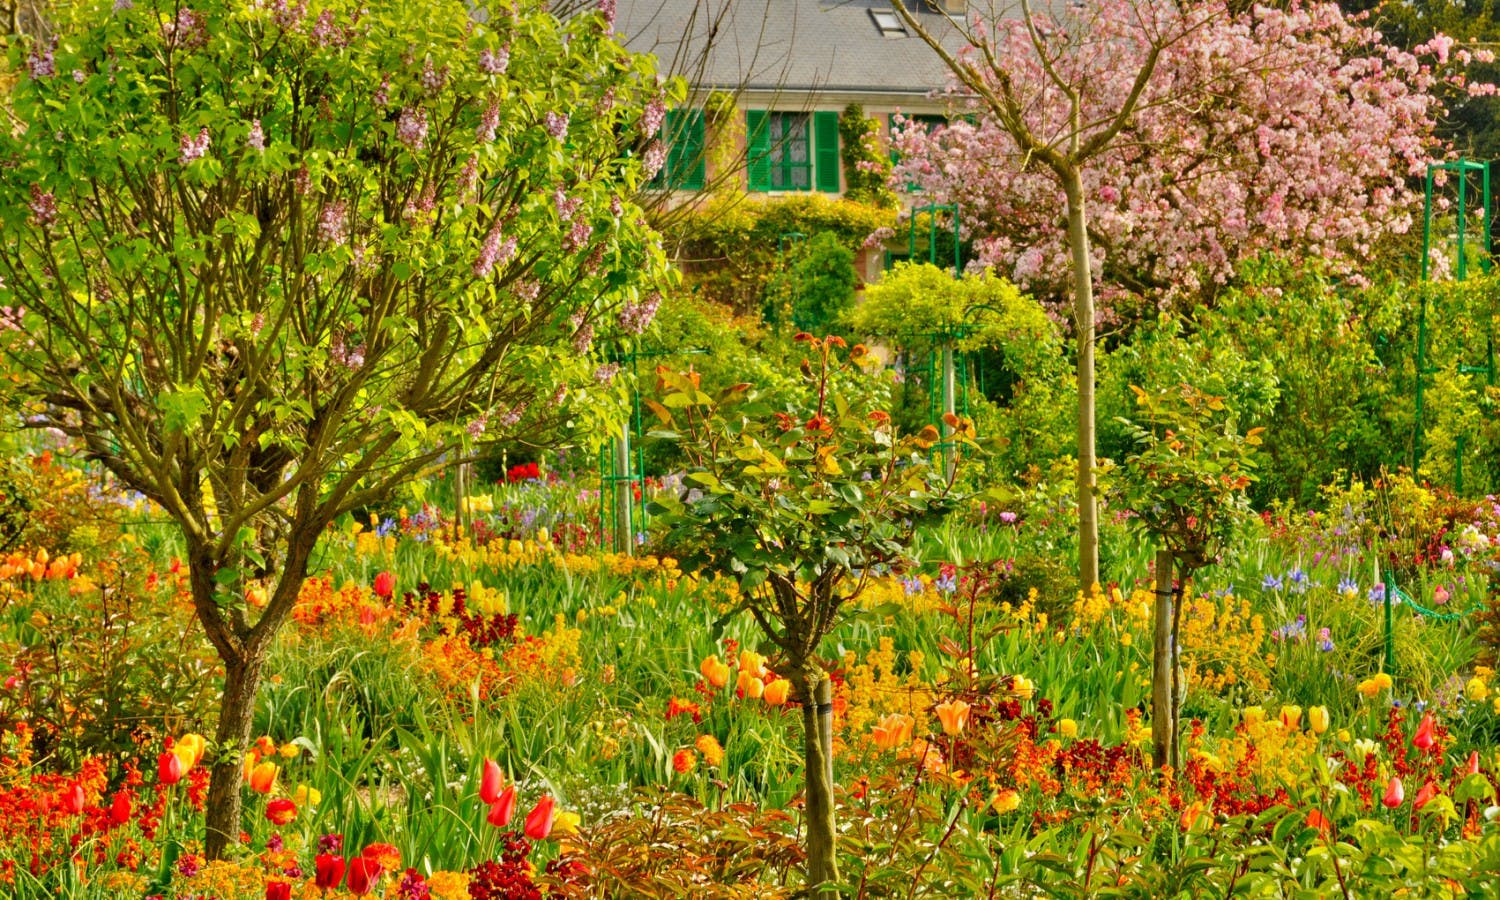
[{"x": 790, "y": 67}]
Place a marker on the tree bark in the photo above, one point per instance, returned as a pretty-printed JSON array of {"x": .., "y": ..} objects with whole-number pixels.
[
  {"x": 1163, "y": 674},
  {"x": 236, "y": 714},
  {"x": 817, "y": 739},
  {"x": 1083, "y": 324}
]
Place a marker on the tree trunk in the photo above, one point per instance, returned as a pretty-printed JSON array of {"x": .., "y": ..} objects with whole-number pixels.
[
  {"x": 236, "y": 714},
  {"x": 1163, "y": 674},
  {"x": 817, "y": 741},
  {"x": 1083, "y": 324}
]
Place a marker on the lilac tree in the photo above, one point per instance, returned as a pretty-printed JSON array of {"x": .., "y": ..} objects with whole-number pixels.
[{"x": 267, "y": 262}]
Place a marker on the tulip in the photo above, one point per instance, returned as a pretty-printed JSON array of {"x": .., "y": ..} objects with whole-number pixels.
[
  {"x": 1425, "y": 738},
  {"x": 954, "y": 715},
  {"x": 776, "y": 692},
  {"x": 489, "y": 782},
  {"x": 1291, "y": 717},
  {"x": 329, "y": 871},
  {"x": 566, "y": 823},
  {"x": 1024, "y": 687},
  {"x": 363, "y": 873},
  {"x": 1189, "y": 817},
  {"x": 1473, "y": 768},
  {"x": 1318, "y": 719},
  {"x": 73, "y": 798},
  {"x": 119, "y": 810},
  {"x": 717, "y": 673},
  {"x": 1395, "y": 794},
  {"x": 281, "y": 811},
  {"x": 1316, "y": 819},
  {"x": 539, "y": 820},
  {"x": 755, "y": 689},
  {"x": 503, "y": 808},
  {"x": 1253, "y": 715},
  {"x": 752, "y": 662},
  {"x": 278, "y": 890},
  {"x": 263, "y": 777},
  {"x": 385, "y": 585},
  {"x": 892, "y": 731},
  {"x": 169, "y": 768},
  {"x": 1424, "y": 796},
  {"x": 189, "y": 748}
]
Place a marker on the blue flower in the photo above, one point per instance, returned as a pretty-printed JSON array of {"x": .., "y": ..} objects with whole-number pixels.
[
  {"x": 1377, "y": 593},
  {"x": 1348, "y": 585},
  {"x": 1271, "y": 583}
]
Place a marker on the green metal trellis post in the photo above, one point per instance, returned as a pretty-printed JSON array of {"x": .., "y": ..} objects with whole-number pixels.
[{"x": 1389, "y": 664}]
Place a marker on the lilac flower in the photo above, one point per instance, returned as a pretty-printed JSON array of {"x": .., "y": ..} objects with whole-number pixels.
[
  {"x": 583, "y": 339},
  {"x": 43, "y": 206},
  {"x": 433, "y": 78},
  {"x": 256, "y": 139},
  {"x": 469, "y": 177},
  {"x": 653, "y": 159},
  {"x": 123, "y": 5},
  {"x": 489, "y": 121},
  {"x": 78, "y": 76},
  {"x": 288, "y": 17},
  {"x": 513, "y": 415},
  {"x": 557, "y": 125},
  {"x": 476, "y": 428},
  {"x": 493, "y": 252},
  {"x": 186, "y": 30},
  {"x": 567, "y": 207},
  {"x": 653, "y": 116},
  {"x": 333, "y": 224},
  {"x": 616, "y": 207},
  {"x": 383, "y": 93},
  {"x": 411, "y": 127},
  {"x": 327, "y": 33},
  {"x": 607, "y": 7},
  {"x": 579, "y": 236},
  {"x": 527, "y": 289},
  {"x": 606, "y": 373},
  {"x": 194, "y": 148},
  {"x": 634, "y": 318},
  {"x": 494, "y": 63}
]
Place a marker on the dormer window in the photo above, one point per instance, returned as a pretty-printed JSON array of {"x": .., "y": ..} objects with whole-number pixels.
[{"x": 889, "y": 23}]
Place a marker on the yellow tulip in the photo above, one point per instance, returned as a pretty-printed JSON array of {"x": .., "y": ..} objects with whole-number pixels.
[
  {"x": 1253, "y": 716},
  {"x": 1291, "y": 717},
  {"x": 1006, "y": 801},
  {"x": 1318, "y": 719}
]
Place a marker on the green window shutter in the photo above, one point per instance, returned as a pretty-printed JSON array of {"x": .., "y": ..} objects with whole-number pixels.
[
  {"x": 826, "y": 150},
  {"x": 689, "y": 174},
  {"x": 758, "y": 150},
  {"x": 677, "y": 157}
]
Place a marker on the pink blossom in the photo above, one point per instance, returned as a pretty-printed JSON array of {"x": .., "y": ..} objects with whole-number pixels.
[
  {"x": 635, "y": 318},
  {"x": 193, "y": 148},
  {"x": 653, "y": 159},
  {"x": 489, "y": 121},
  {"x": 653, "y": 116},
  {"x": 256, "y": 139},
  {"x": 557, "y": 125},
  {"x": 383, "y": 93},
  {"x": 333, "y": 224},
  {"x": 433, "y": 79},
  {"x": 40, "y": 62},
  {"x": 43, "y": 206},
  {"x": 411, "y": 127},
  {"x": 496, "y": 250},
  {"x": 494, "y": 63}
]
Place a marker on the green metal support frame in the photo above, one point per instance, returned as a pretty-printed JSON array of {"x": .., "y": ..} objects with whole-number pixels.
[{"x": 1463, "y": 169}]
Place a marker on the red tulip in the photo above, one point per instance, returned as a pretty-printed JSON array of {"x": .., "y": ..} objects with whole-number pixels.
[
  {"x": 539, "y": 821},
  {"x": 73, "y": 799},
  {"x": 168, "y": 768},
  {"x": 281, "y": 811},
  {"x": 1473, "y": 763},
  {"x": 119, "y": 810},
  {"x": 1424, "y": 796},
  {"x": 278, "y": 890},
  {"x": 503, "y": 808},
  {"x": 363, "y": 873},
  {"x": 1425, "y": 738},
  {"x": 330, "y": 870},
  {"x": 489, "y": 783},
  {"x": 1395, "y": 794},
  {"x": 385, "y": 585}
]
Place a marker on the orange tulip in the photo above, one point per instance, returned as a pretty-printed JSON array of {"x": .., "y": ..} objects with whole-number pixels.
[
  {"x": 263, "y": 777},
  {"x": 892, "y": 731},
  {"x": 776, "y": 692},
  {"x": 954, "y": 715}
]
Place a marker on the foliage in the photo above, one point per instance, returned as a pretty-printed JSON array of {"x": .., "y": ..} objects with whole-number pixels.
[
  {"x": 1314, "y": 131},
  {"x": 729, "y": 247},
  {"x": 814, "y": 287},
  {"x": 867, "y": 167}
]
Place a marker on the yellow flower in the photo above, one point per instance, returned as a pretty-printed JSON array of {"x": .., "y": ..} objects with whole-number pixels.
[
  {"x": 1476, "y": 690},
  {"x": 1125, "y": 639},
  {"x": 1023, "y": 687},
  {"x": 1067, "y": 728},
  {"x": 565, "y": 823},
  {"x": 1382, "y": 681},
  {"x": 1253, "y": 716},
  {"x": 1367, "y": 688},
  {"x": 1318, "y": 719},
  {"x": 1291, "y": 717},
  {"x": 713, "y": 752},
  {"x": 307, "y": 796},
  {"x": 1005, "y": 801},
  {"x": 289, "y": 750}
]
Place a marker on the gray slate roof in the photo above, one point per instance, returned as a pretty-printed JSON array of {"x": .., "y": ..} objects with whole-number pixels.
[{"x": 786, "y": 45}]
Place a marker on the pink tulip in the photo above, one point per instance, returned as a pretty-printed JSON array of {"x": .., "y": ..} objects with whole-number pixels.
[{"x": 1395, "y": 794}]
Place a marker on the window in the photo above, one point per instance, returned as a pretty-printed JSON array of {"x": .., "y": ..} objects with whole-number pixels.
[
  {"x": 793, "y": 151},
  {"x": 889, "y": 23},
  {"x": 684, "y": 135}
]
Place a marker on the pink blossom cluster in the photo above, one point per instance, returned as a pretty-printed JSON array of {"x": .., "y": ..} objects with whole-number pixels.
[
  {"x": 333, "y": 224},
  {"x": 40, "y": 61},
  {"x": 494, "y": 63},
  {"x": 43, "y": 206},
  {"x": 557, "y": 125},
  {"x": 635, "y": 318},
  {"x": 489, "y": 121},
  {"x": 193, "y": 148},
  {"x": 256, "y": 139},
  {"x": 496, "y": 250},
  {"x": 653, "y": 116},
  {"x": 411, "y": 127},
  {"x": 1272, "y": 129}
]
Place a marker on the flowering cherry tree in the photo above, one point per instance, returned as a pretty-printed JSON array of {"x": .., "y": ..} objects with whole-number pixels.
[
  {"x": 268, "y": 261},
  {"x": 1149, "y": 147}
]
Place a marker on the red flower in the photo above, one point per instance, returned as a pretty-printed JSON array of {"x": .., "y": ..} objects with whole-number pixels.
[
  {"x": 169, "y": 768},
  {"x": 281, "y": 811},
  {"x": 1395, "y": 794},
  {"x": 278, "y": 890},
  {"x": 1473, "y": 768},
  {"x": 489, "y": 783},
  {"x": 385, "y": 585},
  {"x": 1424, "y": 796},
  {"x": 1425, "y": 737},
  {"x": 330, "y": 870},
  {"x": 384, "y": 855},
  {"x": 363, "y": 873},
  {"x": 1316, "y": 819},
  {"x": 539, "y": 821},
  {"x": 503, "y": 808},
  {"x": 119, "y": 810},
  {"x": 72, "y": 799}
]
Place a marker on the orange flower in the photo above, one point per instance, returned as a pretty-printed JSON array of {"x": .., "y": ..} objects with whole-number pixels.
[
  {"x": 709, "y": 746},
  {"x": 189, "y": 749},
  {"x": 263, "y": 777},
  {"x": 954, "y": 715},
  {"x": 716, "y": 672},
  {"x": 1316, "y": 819},
  {"x": 892, "y": 731},
  {"x": 776, "y": 692},
  {"x": 684, "y": 761}
]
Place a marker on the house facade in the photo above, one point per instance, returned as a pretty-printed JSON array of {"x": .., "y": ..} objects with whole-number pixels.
[{"x": 770, "y": 78}]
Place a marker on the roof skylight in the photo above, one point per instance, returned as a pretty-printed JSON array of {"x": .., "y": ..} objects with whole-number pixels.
[{"x": 889, "y": 23}]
